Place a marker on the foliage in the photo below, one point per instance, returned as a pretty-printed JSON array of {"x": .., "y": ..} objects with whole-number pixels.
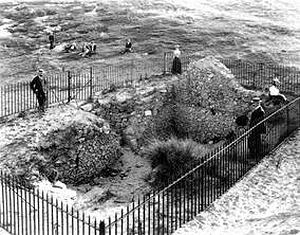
[{"x": 171, "y": 157}]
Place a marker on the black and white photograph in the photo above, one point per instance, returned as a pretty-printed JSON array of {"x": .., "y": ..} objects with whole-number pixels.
[{"x": 149, "y": 117}]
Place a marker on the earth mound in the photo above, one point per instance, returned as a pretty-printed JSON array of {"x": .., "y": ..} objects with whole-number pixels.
[
  {"x": 79, "y": 152},
  {"x": 204, "y": 105}
]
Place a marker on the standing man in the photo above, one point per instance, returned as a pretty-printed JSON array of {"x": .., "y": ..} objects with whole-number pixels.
[
  {"x": 254, "y": 140},
  {"x": 176, "y": 66},
  {"x": 37, "y": 85},
  {"x": 52, "y": 40}
]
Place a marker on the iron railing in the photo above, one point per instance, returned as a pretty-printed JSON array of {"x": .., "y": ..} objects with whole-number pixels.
[
  {"x": 30, "y": 211},
  {"x": 64, "y": 87},
  {"x": 165, "y": 211}
]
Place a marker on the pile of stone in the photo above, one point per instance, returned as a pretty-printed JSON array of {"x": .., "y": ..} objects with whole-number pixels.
[
  {"x": 208, "y": 101},
  {"x": 129, "y": 111},
  {"x": 79, "y": 152}
]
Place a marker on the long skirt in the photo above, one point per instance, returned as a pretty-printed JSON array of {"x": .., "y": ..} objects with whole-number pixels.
[{"x": 176, "y": 67}]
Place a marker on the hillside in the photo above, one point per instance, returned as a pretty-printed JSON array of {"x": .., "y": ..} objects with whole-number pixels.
[{"x": 252, "y": 30}]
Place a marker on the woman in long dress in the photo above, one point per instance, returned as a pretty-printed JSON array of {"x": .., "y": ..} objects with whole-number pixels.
[{"x": 176, "y": 66}]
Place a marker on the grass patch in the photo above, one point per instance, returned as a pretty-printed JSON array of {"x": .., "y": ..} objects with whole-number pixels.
[{"x": 172, "y": 157}]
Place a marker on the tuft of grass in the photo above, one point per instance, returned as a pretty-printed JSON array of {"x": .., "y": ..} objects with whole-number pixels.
[{"x": 170, "y": 158}]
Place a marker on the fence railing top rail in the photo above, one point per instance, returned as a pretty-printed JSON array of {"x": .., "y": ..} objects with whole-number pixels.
[{"x": 243, "y": 135}]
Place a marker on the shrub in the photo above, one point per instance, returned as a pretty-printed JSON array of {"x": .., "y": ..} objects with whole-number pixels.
[{"x": 172, "y": 157}]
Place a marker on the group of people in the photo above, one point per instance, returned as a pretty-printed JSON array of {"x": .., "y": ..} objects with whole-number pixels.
[
  {"x": 255, "y": 144},
  {"x": 87, "y": 49}
]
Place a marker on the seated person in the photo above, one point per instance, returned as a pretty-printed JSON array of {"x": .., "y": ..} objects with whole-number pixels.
[
  {"x": 70, "y": 47},
  {"x": 274, "y": 95},
  {"x": 92, "y": 47},
  {"x": 128, "y": 46},
  {"x": 85, "y": 49}
]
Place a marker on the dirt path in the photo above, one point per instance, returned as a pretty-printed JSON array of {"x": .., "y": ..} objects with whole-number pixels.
[{"x": 266, "y": 201}]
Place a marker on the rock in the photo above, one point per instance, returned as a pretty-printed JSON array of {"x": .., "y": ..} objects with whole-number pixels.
[
  {"x": 88, "y": 107},
  {"x": 148, "y": 113},
  {"x": 121, "y": 200},
  {"x": 59, "y": 184},
  {"x": 139, "y": 165}
]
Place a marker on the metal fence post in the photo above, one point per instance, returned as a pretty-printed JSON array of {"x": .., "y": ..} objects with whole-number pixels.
[
  {"x": 102, "y": 228},
  {"x": 131, "y": 71},
  {"x": 165, "y": 63},
  {"x": 287, "y": 120},
  {"x": 69, "y": 86},
  {"x": 91, "y": 84}
]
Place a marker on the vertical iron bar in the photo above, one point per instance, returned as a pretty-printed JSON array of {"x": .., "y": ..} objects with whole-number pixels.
[
  {"x": 62, "y": 217},
  {"x": 26, "y": 218},
  {"x": 77, "y": 220},
  {"x": 149, "y": 217},
  {"x": 133, "y": 219},
  {"x": 83, "y": 222},
  {"x": 153, "y": 213},
  {"x": 52, "y": 215},
  {"x": 127, "y": 219},
  {"x": 69, "y": 86},
  {"x": 22, "y": 212},
  {"x": 116, "y": 224},
  {"x": 109, "y": 225},
  {"x": 122, "y": 222},
  {"x": 29, "y": 212},
  {"x": 139, "y": 216}
]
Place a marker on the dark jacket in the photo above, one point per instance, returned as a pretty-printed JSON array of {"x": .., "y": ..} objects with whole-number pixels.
[
  {"x": 36, "y": 85},
  {"x": 128, "y": 45},
  {"x": 51, "y": 38},
  {"x": 258, "y": 115}
]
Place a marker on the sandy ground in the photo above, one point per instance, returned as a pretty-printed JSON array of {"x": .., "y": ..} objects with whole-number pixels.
[
  {"x": 3, "y": 232},
  {"x": 266, "y": 201}
]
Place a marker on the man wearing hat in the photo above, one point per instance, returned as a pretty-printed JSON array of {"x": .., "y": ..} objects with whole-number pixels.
[
  {"x": 37, "y": 86},
  {"x": 176, "y": 66},
  {"x": 254, "y": 140},
  {"x": 275, "y": 96}
]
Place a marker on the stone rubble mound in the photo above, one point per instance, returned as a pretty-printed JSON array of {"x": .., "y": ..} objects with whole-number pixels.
[{"x": 80, "y": 151}]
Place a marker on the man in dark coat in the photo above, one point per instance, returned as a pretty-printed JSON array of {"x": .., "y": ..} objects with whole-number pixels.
[
  {"x": 37, "y": 86},
  {"x": 254, "y": 140},
  {"x": 51, "y": 40}
]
